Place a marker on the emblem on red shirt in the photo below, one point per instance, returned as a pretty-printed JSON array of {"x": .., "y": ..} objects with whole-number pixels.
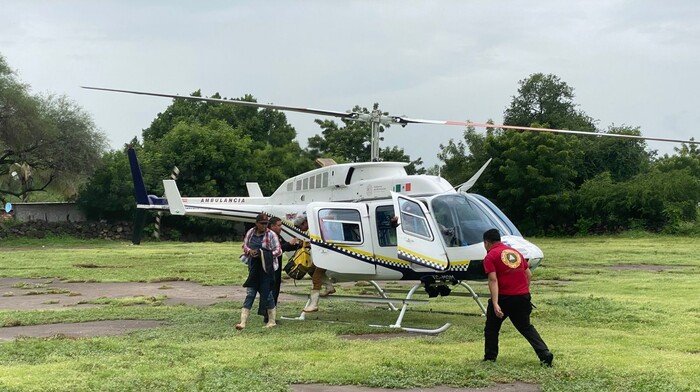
[{"x": 511, "y": 258}]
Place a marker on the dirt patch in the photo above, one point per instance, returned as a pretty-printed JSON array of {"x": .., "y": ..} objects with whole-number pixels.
[
  {"x": 77, "y": 330},
  {"x": 47, "y": 294},
  {"x": 514, "y": 387},
  {"x": 53, "y": 294}
]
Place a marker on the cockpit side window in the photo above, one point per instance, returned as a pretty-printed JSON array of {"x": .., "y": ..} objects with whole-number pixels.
[
  {"x": 462, "y": 221},
  {"x": 511, "y": 227}
]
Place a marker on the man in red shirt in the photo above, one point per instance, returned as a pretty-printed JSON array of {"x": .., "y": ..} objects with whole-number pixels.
[{"x": 509, "y": 284}]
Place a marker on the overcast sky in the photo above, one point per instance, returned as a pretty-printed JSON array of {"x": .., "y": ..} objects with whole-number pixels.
[{"x": 630, "y": 62}]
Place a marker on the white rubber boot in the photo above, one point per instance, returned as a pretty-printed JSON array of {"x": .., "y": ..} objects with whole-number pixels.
[
  {"x": 329, "y": 286},
  {"x": 244, "y": 318},
  {"x": 271, "y": 314},
  {"x": 313, "y": 304}
]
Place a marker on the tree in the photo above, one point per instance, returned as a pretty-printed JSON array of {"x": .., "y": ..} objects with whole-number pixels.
[
  {"x": 218, "y": 148},
  {"x": 397, "y": 154},
  {"x": 264, "y": 126},
  {"x": 546, "y": 100},
  {"x": 533, "y": 176},
  {"x": 464, "y": 158},
  {"x": 687, "y": 157},
  {"x": 109, "y": 194},
  {"x": 622, "y": 158},
  {"x": 46, "y": 142}
]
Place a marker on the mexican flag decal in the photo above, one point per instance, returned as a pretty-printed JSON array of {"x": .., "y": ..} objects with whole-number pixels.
[{"x": 402, "y": 187}]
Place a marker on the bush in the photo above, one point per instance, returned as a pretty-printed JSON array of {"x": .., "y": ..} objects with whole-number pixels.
[{"x": 654, "y": 202}]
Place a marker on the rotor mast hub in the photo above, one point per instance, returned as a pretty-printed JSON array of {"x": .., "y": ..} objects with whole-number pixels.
[{"x": 376, "y": 119}]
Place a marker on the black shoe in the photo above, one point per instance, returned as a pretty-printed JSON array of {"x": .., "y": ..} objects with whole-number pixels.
[
  {"x": 547, "y": 359},
  {"x": 488, "y": 360},
  {"x": 265, "y": 320}
]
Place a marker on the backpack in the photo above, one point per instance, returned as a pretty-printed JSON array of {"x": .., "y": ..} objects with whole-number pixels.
[{"x": 299, "y": 264}]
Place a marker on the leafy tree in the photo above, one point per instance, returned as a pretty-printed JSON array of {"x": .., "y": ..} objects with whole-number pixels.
[
  {"x": 687, "y": 157},
  {"x": 218, "y": 148},
  {"x": 535, "y": 177},
  {"x": 109, "y": 194},
  {"x": 548, "y": 101},
  {"x": 214, "y": 160},
  {"x": 397, "y": 154},
  {"x": 464, "y": 158},
  {"x": 45, "y": 141},
  {"x": 532, "y": 178},
  {"x": 265, "y": 126},
  {"x": 622, "y": 158}
]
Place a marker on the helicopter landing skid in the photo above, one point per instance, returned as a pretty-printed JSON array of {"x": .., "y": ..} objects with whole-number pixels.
[
  {"x": 402, "y": 310},
  {"x": 472, "y": 293}
]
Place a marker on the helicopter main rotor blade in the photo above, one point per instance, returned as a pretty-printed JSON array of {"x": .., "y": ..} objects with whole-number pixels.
[
  {"x": 383, "y": 119},
  {"x": 405, "y": 120},
  {"x": 332, "y": 113}
]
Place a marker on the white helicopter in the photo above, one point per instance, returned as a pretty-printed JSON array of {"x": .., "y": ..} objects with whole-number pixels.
[{"x": 349, "y": 207}]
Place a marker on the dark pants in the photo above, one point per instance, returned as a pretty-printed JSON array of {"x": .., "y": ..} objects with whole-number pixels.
[
  {"x": 262, "y": 308},
  {"x": 259, "y": 282},
  {"x": 518, "y": 309}
]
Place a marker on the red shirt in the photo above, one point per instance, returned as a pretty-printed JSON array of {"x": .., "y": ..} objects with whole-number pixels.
[{"x": 509, "y": 266}]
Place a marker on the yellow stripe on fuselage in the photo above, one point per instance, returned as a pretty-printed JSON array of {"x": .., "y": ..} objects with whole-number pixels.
[
  {"x": 362, "y": 252},
  {"x": 420, "y": 256}
]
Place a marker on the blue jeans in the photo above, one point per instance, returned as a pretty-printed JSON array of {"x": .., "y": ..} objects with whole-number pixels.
[{"x": 265, "y": 293}]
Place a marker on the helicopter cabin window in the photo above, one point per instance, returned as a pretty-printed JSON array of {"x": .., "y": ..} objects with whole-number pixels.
[
  {"x": 306, "y": 184},
  {"x": 318, "y": 180},
  {"x": 312, "y": 182},
  {"x": 386, "y": 232},
  {"x": 340, "y": 225},
  {"x": 298, "y": 185},
  {"x": 413, "y": 220},
  {"x": 325, "y": 179}
]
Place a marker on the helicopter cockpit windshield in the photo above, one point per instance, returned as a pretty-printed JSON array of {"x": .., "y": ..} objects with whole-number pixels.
[{"x": 463, "y": 218}]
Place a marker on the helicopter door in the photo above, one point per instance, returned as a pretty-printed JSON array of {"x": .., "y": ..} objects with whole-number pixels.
[
  {"x": 341, "y": 237},
  {"x": 417, "y": 240}
]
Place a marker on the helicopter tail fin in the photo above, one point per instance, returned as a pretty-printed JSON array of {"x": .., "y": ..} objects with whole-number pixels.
[
  {"x": 143, "y": 199},
  {"x": 137, "y": 177}
]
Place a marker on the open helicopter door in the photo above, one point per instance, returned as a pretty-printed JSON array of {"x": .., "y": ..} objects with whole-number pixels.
[
  {"x": 341, "y": 237},
  {"x": 417, "y": 234}
]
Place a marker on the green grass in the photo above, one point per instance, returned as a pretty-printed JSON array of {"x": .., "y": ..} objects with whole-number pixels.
[{"x": 612, "y": 325}]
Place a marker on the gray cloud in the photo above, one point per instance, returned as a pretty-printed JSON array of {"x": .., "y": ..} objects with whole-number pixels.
[{"x": 631, "y": 63}]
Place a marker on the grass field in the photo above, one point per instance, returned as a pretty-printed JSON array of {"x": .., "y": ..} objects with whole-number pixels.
[{"x": 619, "y": 313}]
